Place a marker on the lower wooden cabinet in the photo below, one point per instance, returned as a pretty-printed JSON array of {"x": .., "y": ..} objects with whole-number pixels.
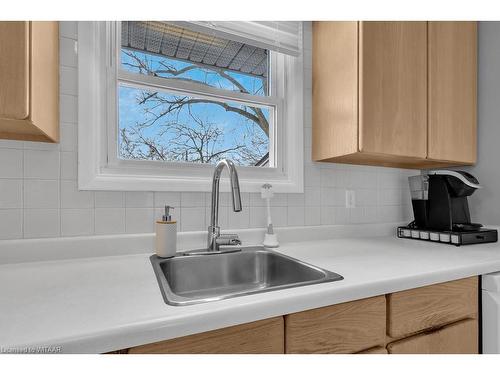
[
  {"x": 439, "y": 318},
  {"x": 457, "y": 338},
  {"x": 376, "y": 350},
  {"x": 431, "y": 306},
  {"x": 344, "y": 328},
  {"x": 261, "y": 337}
]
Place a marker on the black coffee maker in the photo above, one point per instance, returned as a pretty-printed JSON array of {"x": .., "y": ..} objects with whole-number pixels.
[{"x": 439, "y": 200}]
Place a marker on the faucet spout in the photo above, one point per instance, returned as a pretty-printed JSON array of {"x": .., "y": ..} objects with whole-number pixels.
[{"x": 213, "y": 229}]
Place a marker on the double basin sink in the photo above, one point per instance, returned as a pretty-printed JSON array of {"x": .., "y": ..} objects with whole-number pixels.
[{"x": 193, "y": 279}]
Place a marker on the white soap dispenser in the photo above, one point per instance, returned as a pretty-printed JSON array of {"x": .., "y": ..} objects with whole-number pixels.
[{"x": 166, "y": 235}]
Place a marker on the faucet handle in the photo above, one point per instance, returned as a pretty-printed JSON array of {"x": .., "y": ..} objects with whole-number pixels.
[{"x": 228, "y": 239}]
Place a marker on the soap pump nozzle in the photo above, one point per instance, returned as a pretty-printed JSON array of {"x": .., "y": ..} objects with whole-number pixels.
[{"x": 167, "y": 216}]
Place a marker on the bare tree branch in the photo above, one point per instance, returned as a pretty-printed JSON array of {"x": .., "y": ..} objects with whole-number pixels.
[
  {"x": 257, "y": 116},
  {"x": 166, "y": 133}
]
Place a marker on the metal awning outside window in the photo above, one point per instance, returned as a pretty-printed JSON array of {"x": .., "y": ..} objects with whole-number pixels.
[{"x": 203, "y": 48}]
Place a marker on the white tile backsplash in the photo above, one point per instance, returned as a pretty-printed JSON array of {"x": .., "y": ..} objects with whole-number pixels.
[
  {"x": 43, "y": 164},
  {"x": 68, "y": 137},
  {"x": 312, "y": 196},
  {"x": 278, "y": 200},
  {"x": 389, "y": 197},
  {"x": 71, "y": 197},
  {"x": 5, "y": 143},
  {"x": 238, "y": 220},
  {"x": 295, "y": 200},
  {"x": 68, "y": 52},
  {"x": 360, "y": 215},
  {"x": 257, "y": 217},
  {"x": 312, "y": 175},
  {"x": 11, "y": 193},
  {"x": 40, "y": 223},
  {"x": 342, "y": 215},
  {"x": 328, "y": 177},
  {"x": 366, "y": 197},
  {"x": 192, "y": 199},
  {"x": 327, "y": 215},
  {"x": 39, "y": 195},
  {"x": 11, "y": 163},
  {"x": 139, "y": 199},
  {"x": 139, "y": 220},
  {"x": 68, "y": 80},
  {"x": 279, "y": 216},
  {"x": 296, "y": 216},
  {"x": 68, "y": 108},
  {"x": 77, "y": 222},
  {"x": 109, "y": 220},
  {"x": 312, "y": 215},
  {"x": 328, "y": 196},
  {"x": 69, "y": 165},
  {"x": 11, "y": 224},
  {"x": 68, "y": 29},
  {"x": 167, "y": 198},
  {"x": 109, "y": 199},
  {"x": 193, "y": 218}
]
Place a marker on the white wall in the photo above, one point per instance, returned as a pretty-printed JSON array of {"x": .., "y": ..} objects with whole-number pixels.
[
  {"x": 39, "y": 198},
  {"x": 485, "y": 203}
]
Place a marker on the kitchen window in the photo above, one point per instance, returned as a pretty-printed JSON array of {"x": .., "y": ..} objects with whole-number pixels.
[{"x": 161, "y": 102}]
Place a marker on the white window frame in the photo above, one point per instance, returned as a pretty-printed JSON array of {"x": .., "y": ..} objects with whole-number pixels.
[{"x": 99, "y": 167}]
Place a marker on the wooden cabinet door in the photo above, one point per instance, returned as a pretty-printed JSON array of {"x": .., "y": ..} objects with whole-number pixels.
[
  {"x": 45, "y": 77},
  {"x": 414, "y": 310},
  {"x": 452, "y": 91},
  {"x": 376, "y": 350},
  {"x": 334, "y": 89},
  {"x": 345, "y": 328},
  {"x": 14, "y": 70},
  {"x": 458, "y": 338},
  {"x": 393, "y": 88},
  {"x": 260, "y": 337}
]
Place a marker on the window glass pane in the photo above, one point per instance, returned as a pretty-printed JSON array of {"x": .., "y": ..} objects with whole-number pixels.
[
  {"x": 173, "y": 127},
  {"x": 175, "y": 53}
]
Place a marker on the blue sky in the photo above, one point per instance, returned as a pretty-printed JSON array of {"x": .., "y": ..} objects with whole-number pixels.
[
  {"x": 235, "y": 126},
  {"x": 252, "y": 84}
]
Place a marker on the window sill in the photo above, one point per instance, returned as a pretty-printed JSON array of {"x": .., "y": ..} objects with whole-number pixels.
[{"x": 107, "y": 180}]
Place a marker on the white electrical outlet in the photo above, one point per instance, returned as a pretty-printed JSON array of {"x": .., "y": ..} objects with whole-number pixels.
[{"x": 350, "y": 198}]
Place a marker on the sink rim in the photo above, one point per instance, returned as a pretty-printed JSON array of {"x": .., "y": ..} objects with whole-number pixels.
[{"x": 174, "y": 299}]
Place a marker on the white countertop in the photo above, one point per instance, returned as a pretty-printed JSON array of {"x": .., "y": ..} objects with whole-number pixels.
[{"x": 107, "y": 303}]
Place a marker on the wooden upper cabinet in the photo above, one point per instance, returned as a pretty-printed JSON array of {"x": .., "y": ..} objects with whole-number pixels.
[
  {"x": 381, "y": 94},
  {"x": 29, "y": 81},
  {"x": 452, "y": 91},
  {"x": 335, "y": 89},
  {"x": 392, "y": 86},
  {"x": 14, "y": 70}
]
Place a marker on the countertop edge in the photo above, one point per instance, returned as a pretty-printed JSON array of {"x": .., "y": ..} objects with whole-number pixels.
[{"x": 159, "y": 330}]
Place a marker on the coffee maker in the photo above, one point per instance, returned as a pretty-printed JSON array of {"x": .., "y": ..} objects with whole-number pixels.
[{"x": 441, "y": 210}]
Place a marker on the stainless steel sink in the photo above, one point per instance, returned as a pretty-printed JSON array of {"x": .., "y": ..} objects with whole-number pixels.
[{"x": 192, "y": 279}]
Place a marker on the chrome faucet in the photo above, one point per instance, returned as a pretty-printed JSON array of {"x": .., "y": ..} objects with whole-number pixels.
[{"x": 215, "y": 239}]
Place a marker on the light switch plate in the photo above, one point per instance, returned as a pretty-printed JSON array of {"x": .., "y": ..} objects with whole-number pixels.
[{"x": 350, "y": 199}]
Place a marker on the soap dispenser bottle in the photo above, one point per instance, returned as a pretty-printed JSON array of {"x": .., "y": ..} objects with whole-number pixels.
[{"x": 166, "y": 235}]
